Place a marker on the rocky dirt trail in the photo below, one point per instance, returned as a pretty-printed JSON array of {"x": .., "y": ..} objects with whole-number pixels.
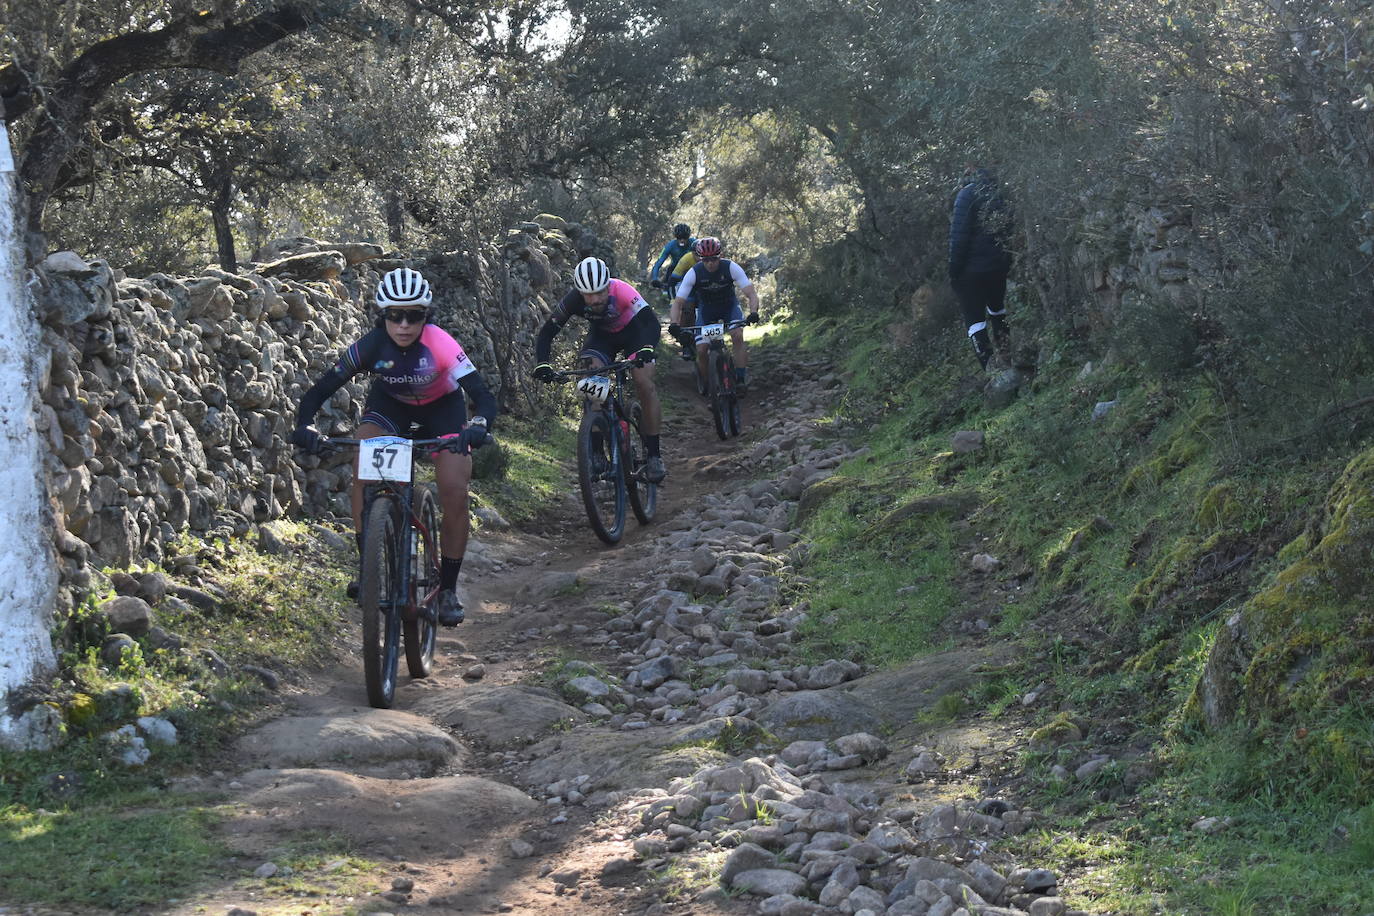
[{"x": 626, "y": 730}]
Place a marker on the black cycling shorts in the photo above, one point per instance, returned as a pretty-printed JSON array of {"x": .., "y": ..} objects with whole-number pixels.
[
  {"x": 642, "y": 331},
  {"x": 720, "y": 312},
  {"x": 440, "y": 417}
]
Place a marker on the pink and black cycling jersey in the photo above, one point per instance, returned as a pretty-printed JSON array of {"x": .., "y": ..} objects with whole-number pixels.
[
  {"x": 622, "y": 304},
  {"x": 418, "y": 374}
]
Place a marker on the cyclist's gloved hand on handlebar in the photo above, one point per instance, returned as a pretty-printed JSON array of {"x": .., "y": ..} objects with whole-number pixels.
[
  {"x": 675, "y": 330},
  {"x": 474, "y": 436},
  {"x": 752, "y": 319},
  {"x": 643, "y": 356},
  {"x": 307, "y": 439},
  {"x": 656, "y": 284},
  {"x": 544, "y": 373}
]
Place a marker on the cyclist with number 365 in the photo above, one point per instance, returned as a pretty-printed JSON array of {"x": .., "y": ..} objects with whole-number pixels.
[
  {"x": 713, "y": 279},
  {"x": 421, "y": 376}
]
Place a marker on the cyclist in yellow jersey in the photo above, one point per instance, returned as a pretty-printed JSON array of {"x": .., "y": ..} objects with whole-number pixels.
[{"x": 684, "y": 264}]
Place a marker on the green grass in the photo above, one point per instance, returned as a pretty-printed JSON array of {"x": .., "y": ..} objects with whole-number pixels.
[
  {"x": 1285, "y": 858},
  {"x": 1134, "y": 538},
  {"x": 123, "y": 853},
  {"x": 122, "y": 840},
  {"x": 539, "y": 468}
]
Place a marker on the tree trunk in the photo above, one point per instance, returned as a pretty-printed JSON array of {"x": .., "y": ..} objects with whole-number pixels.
[
  {"x": 28, "y": 578},
  {"x": 224, "y": 233},
  {"x": 395, "y": 210}
]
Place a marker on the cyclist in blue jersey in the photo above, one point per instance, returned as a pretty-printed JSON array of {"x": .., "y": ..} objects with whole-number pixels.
[{"x": 661, "y": 277}]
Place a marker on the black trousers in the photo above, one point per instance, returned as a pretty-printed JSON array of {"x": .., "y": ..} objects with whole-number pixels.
[{"x": 982, "y": 300}]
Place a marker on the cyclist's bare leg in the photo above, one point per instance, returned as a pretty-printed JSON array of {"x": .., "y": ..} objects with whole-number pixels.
[
  {"x": 738, "y": 348},
  {"x": 648, "y": 399},
  {"x": 702, "y": 365},
  {"x": 355, "y": 494},
  {"x": 453, "y": 472}
]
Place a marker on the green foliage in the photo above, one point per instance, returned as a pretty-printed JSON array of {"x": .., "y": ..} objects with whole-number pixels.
[
  {"x": 1138, "y": 536},
  {"x": 538, "y": 467}
]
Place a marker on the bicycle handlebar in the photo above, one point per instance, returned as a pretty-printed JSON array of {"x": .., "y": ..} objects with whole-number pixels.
[
  {"x": 427, "y": 446},
  {"x": 597, "y": 370},
  {"x": 729, "y": 325}
]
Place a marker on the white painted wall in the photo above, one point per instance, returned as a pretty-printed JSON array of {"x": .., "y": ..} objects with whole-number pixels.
[{"x": 28, "y": 575}]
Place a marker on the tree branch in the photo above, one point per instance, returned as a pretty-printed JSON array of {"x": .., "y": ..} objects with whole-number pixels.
[{"x": 199, "y": 41}]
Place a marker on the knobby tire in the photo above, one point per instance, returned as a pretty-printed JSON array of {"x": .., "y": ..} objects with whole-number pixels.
[
  {"x": 377, "y": 594},
  {"x": 603, "y": 494},
  {"x": 642, "y": 494},
  {"x": 718, "y": 364},
  {"x": 422, "y": 632}
]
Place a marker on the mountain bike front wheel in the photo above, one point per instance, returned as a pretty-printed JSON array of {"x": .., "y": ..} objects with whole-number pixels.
[
  {"x": 732, "y": 408},
  {"x": 719, "y": 373},
  {"x": 599, "y": 475},
  {"x": 378, "y": 597}
]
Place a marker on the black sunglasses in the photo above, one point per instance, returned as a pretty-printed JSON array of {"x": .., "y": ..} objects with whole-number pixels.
[{"x": 405, "y": 316}]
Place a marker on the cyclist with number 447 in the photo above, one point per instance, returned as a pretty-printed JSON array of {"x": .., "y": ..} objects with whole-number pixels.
[
  {"x": 713, "y": 279},
  {"x": 621, "y": 322},
  {"x": 422, "y": 376}
]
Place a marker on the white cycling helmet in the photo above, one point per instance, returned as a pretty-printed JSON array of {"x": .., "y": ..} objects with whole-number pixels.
[
  {"x": 591, "y": 276},
  {"x": 404, "y": 286}
]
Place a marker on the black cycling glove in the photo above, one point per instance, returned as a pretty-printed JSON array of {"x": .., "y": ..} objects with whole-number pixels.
[
  {"x": 307, "y": 439},
  {"x": 474, "y": 436},
  {"x": 544, "y": 373},
  {"x": 643, "y": 356}
]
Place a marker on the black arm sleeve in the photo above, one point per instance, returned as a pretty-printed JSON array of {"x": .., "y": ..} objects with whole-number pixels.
[
  {"x": 571, "y": 304},
  {"x": 543, "y": 345},
  {"x": 314, "y": 399},
  {"x": 475, "y": 387}
]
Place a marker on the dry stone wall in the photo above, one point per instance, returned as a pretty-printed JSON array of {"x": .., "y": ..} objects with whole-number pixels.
[{"x": 165, "y": 402}]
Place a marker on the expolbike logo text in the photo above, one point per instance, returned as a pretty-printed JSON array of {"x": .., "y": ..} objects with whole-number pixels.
[{"x": 414, "y": 380}]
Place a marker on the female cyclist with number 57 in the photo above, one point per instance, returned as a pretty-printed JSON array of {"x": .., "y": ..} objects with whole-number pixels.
[{"x": 422, "y": 380}]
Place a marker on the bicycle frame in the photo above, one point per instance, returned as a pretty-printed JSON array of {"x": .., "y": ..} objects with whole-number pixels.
[
  {"x": 613, "y": 403},
  {"x": 718, "y": 378},
  {"x": 404, "y": 494},
  {"x": 609, "y": 474}
]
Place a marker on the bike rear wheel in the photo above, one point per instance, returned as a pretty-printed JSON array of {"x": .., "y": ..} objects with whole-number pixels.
[
  {"x": 421, "y": 632},
  {"x": 643, "y": 494},
  {"x": 378, "y": 597},
  {"x": 600, "y": 477}
]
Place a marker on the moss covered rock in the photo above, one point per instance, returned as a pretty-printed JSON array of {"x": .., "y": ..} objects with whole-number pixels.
[{"x": 1304, "y": 645}]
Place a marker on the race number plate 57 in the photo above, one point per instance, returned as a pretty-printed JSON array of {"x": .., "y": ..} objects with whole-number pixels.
[
  {"x": 596, "y": 387},
  {"x": 384, "y": 458},
  {"x": 713, "y": 332}
]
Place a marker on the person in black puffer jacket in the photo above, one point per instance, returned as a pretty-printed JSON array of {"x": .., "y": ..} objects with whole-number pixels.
[{"x": 980, "y": 260}]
